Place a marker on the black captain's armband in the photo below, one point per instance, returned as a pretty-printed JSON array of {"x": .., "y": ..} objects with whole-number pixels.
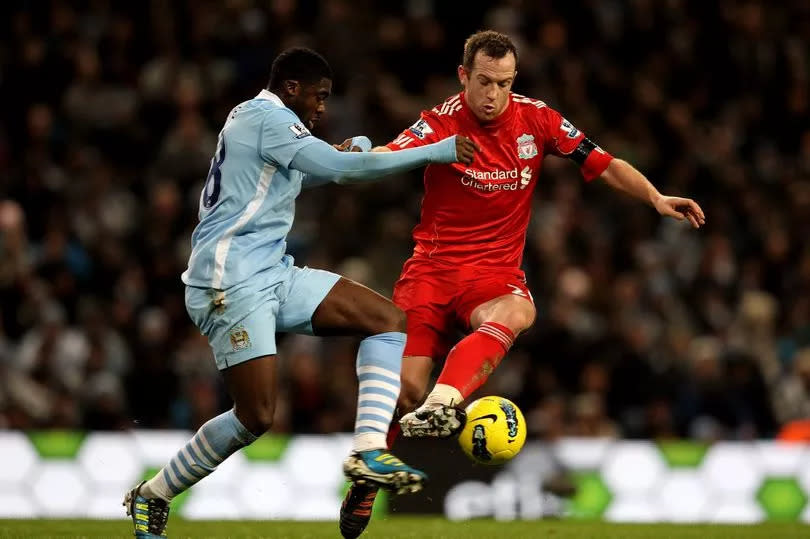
[{"x": 581, "y": 153}]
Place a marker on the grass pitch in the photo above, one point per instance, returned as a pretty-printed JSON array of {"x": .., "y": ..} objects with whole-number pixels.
[{"x": 405, "y": 528}]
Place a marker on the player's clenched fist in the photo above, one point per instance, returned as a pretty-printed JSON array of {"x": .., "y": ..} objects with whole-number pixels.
[
  {"x": 346, "y": 146},
  {"x": 465, "y": 149}
]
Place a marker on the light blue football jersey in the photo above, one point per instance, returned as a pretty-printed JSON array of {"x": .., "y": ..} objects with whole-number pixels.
[{"x": 248, "y": 202}]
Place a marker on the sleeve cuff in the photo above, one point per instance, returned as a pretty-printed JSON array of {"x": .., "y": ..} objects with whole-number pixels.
[{"x": 595, "y": 164}]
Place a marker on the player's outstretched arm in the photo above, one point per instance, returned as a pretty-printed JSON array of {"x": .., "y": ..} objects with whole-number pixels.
[
  {"x": 354, "y": 144},
  {"x": 322, "y": 160},
  {"x": 623, "y": 176}
]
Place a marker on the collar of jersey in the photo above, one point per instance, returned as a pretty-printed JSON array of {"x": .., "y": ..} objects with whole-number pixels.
[
  {"x": 505, "y": 116},
  {"x": 270, "y": 96}
]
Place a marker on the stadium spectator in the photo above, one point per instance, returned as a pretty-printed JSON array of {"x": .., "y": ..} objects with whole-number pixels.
[{"x": 109, "y": 115}]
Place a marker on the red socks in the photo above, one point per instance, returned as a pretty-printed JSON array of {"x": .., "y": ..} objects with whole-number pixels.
[
  {"x": 470, "y": 363},
  {"x": 393, "y": 432},
  {"x": 473, "y": 359}
]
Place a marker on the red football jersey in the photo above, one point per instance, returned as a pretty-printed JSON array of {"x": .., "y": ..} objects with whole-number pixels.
[{"x": 477, "y": 214}]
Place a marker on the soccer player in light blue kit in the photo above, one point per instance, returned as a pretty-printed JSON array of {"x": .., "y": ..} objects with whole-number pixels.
[{"x": 242, "y": 288}]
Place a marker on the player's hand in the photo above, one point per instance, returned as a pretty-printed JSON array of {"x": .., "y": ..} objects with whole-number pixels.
[
  {"x": 465, "y": 149},
  {"x": 344, "y": 146},
  {"x": 680, "y": 209}
]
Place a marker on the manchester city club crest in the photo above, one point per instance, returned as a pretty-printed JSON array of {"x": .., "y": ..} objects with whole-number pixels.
[
  {"x": 526, "y": 148},
  {"x": 240, "y": 340}
]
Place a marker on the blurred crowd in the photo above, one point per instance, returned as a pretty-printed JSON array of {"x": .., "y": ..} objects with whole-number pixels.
[{"x": 646, "y": 328}]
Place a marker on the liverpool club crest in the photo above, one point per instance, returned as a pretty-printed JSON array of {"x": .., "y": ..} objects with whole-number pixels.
[{"x": 526, "y": 148}]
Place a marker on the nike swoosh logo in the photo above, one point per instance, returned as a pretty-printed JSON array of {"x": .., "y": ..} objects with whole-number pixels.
[{"x": 493, "y": 417}]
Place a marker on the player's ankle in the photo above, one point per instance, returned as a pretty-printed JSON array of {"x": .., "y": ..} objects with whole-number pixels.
[
  {"x": 150, "y": 490},
  {"x": 369, "y": 441},
  {"x": 444, "y": 394}
]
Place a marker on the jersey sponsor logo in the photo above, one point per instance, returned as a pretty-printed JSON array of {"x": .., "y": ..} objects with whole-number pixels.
[
  {"x": 570, "y": 130},
  {"x": 491, "y": 180},
  {"x": 525, "y": 177},
  {"x": 299, "y": 131},
  {"x": 421, "y": 129},
  {"x": 489, "y": 186},
  {"x": 526, "y": 148},
  {"x": 240, "y": 340},
  {"x": 492, "y": 174}
]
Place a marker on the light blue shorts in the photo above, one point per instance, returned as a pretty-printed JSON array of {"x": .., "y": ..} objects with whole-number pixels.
[{"x": 241, "y": 322}]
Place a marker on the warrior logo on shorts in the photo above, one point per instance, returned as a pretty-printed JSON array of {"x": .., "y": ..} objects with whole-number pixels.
[
  {"x": 240, "y": 340},
  {"x": 526, "y": 148}
]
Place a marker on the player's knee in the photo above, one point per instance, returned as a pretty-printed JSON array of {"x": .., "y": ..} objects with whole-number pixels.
[
  {"x": 257, "y": 418},
  {"x": 520, "y": 317},
  {"x": 263, "y": 420},
  {"x": 391, "y": 318},
  {"x": 399, "y": 320},
  {"x": 522, "y": 321}
]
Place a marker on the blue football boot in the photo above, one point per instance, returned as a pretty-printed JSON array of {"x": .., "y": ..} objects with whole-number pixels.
[
  {"x": 149, "y": 515},
  {"x": 380, "y": 468}
]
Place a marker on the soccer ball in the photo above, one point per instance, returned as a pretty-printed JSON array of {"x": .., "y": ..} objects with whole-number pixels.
[{"x": 495, "y": 431}]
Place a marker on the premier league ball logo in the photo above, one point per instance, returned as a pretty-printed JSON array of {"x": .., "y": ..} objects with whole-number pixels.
[{"x": 526, "y": 148}]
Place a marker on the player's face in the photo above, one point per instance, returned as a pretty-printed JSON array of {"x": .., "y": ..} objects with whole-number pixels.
[
  {"x": 487, "y": 85},
  {"x": 309, "y": 101}
]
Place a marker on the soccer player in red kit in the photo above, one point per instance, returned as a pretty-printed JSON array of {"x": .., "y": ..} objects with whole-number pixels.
[{"x": 465, "y": 269}]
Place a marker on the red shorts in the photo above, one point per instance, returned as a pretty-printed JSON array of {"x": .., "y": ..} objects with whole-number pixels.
[{"x": 440, "y": 298}]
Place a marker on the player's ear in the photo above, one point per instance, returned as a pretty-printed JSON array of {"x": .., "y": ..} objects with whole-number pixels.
[
  {"x": 462, "y": 76},
  {"x": 292, "y": 87}
]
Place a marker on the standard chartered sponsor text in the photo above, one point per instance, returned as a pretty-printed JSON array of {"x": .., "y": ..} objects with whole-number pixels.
[{"x": 475, "y": 178}]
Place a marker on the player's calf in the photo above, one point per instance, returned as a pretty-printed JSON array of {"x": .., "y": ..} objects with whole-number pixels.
[
  {"x": 415, "y": 378},
  {"x": 253, "y": 387},
  {"x": 216, "y": 440}
]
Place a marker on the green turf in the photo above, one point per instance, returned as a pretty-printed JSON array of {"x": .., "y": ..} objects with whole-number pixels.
[{"x": 411, "y": 528}]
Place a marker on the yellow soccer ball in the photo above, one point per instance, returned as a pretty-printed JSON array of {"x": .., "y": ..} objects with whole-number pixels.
[{"x": 495, "y": 431}]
